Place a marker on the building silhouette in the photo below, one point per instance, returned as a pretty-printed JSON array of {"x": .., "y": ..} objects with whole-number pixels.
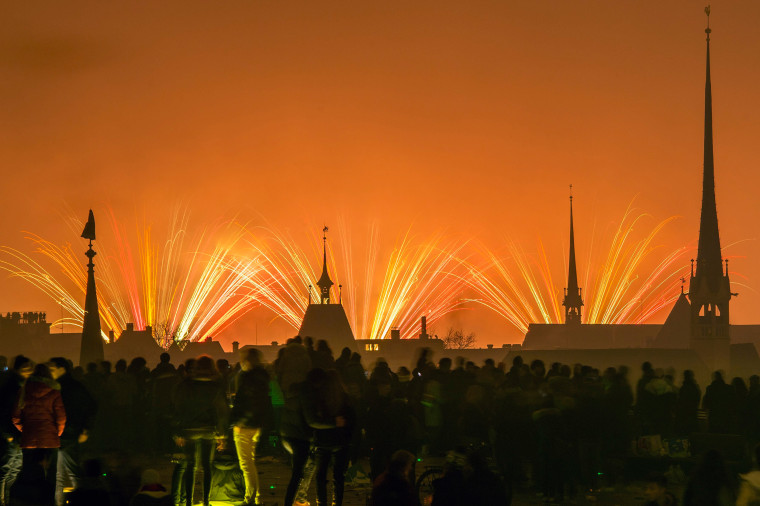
[
  {"x": 323, "y": 318},
  {"x": 698, "y": 325},
  {"x": 573, "y": 301},
  {"x": 91, "y": 349}
]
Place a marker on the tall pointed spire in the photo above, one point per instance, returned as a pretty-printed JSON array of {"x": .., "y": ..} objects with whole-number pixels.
[
  {"x": 573, "y": 300},
  {"x": 709, "y": 264},
  {"x": 324, "y": 282},
  {"x": 709, "y": 285},
  {"x": 91, "y": 348}
]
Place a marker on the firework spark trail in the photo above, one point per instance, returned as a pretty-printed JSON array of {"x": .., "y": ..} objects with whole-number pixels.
[
  {"x": 126, "y": 265},
  {"x": 612, "y": 298},
  {"x": 416, "y": 280},
  {"x": 206, "y": 298}
]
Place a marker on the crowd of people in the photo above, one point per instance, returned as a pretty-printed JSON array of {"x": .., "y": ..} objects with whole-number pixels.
[{"x": 561, "y": 430}]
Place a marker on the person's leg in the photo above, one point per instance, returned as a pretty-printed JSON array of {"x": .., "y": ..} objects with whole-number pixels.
[
  {"x": 51, "y": 471},
  {"x": 207, "y": 455},
  {"x": 322, "y": 459},
  {"x": 340, "y": 465},
  {"x": 308, "y": 476},
  {"x": 245, "y": 444},
  {"x": 11, "y": 468},
  {"x": 299, "y": 451},
  {"x": 191, "y": 447},
  {"x": 67, "y": 470}
]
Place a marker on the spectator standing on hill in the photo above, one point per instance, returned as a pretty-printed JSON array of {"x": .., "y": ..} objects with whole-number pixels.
[
  {"x": 720, "y": 403},
  {"x": 80, "y": 413},
  {"x": 200, "y": 411},
  {"x": 328, "y": 411},
  {"x": 41, "y": 418},
  {"x": 252, "y": 411},
  {"x": 11, "y": 457}
]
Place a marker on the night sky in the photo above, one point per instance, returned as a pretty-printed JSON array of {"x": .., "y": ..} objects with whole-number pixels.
[{"x": 470, "y": 118}]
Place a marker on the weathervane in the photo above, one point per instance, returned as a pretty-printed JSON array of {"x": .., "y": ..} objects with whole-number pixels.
[{"x": 707, "y": 30}]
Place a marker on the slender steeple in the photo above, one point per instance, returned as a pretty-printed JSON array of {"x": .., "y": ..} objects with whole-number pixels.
[
  {"x": 709, "y": 264},
  {"x": 91, "y": 348},
  {"x": 573, "y": 301},
  {"x": 709, "y": 284},
  {"x": 324, "y": 282}
]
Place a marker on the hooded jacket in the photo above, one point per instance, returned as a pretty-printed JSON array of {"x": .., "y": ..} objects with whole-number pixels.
[{"x": 39, "y": 414}]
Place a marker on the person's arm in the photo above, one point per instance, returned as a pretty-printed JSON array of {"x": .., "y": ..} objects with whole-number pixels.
[
  {"x": 59, "y": 413},
  {"x": 16, "y": 413}
]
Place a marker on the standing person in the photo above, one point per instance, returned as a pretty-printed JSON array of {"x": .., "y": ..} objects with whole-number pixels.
[
  {"x": 291, "y": 369},
  {"x": 720, "y": 403},
  {"x": 164, "y": 379},
  {"x": 40, "y": 417},
  {"x": 11, "y": 451},
  {"x": 687, "y": 405},
  {"x": 251, "y": 412},
  {"x": 200, "y": 411},
  {"x": 80, "y": 412},
  {"x": 328, "y": 411}
]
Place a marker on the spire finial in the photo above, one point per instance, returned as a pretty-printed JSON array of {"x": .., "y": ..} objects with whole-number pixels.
[
  {"x": 324, "y": 282},
  {"x": 571, "y": 192},
  {"x": 707, "y": 30}
]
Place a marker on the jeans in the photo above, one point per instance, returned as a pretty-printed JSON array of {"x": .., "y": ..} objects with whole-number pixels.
[
  {"x": 245, "y": 443},
  {"x": 339, "y": 457},
  {"x": 299, "y": 451},
  {"x": 11, "y": 466},
  {"x": 68, "y": 471},
  {"x": 196, "y": 447}
]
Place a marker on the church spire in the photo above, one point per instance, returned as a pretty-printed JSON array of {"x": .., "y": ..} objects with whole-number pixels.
[
  {"x": 324, "y": 282},
  {"x": 709, "y": 263},
  {"x": 573, "y": 300},
  {"x": 91, "y": 347},
  {"x": 709, "y": 285}
]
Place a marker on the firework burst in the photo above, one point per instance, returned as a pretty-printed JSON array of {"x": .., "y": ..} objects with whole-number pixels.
[
  {"x": 417, "y": 281},
  {"x": 182, "y": 294},
  {"x": 620, "y": 290}
]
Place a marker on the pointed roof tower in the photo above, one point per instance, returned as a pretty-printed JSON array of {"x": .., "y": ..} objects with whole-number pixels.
[
  {"x": 91, "y": 348},
  {"x": 709, "y": 263},
  {"x": 323, "y": 320},
  {"x": 573, "y": 300},
  {"x": 709, "y": 284},
  {"x": 324, "y": 282}
]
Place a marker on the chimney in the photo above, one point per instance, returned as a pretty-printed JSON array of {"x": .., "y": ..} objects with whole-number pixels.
[
  {"x": 149, "y": 329},
  {"x": 395, "y": 334},
  {"x": 111, "y": 337},
  {"x": 489, "y": 346},
  {"x": 423, "y": 328},
  {"x": 130, "y": 327},
  {"x": 235, "y": 346}
]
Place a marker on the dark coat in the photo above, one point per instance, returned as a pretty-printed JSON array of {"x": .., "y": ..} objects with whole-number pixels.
[
  {"x": 200, "y": 405},
  {"x": 79, "y": 405},
  {"x": 8, "y": 398},
  {"x": 326, "y": 433},
  {"x": 292, "y": 421},
  {"x": 40, "y": 415},
  {"x": 253, "y": 405}
]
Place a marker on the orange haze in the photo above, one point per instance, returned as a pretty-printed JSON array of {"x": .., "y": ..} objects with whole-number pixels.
[{"x": 472, "y": 117}]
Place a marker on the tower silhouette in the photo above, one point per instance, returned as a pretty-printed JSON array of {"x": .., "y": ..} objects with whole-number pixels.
[
  {"x": 323, "y": 319},
  {"x": 324, "y": 282},
  {"x": 573, "y": 300},
  {"x": 91, "y": 348},
  {"x": 709, "y": 284}
]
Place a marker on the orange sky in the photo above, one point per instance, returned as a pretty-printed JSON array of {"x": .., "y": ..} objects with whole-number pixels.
[{"x": 470, "y": 116}]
